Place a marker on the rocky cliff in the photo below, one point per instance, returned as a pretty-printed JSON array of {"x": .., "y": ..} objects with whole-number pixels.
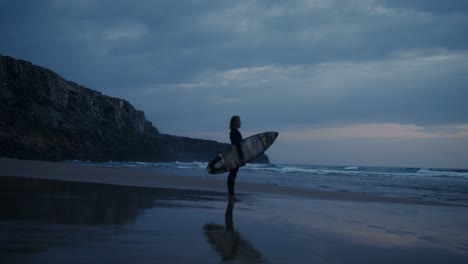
[{"x": 43, "y": 116}]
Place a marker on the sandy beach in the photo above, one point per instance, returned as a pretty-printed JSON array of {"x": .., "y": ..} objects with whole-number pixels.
[{"x": 69, "y": 213}]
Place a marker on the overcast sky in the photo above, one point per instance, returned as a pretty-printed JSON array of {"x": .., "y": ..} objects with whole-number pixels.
[{"x": 363, "y": 82}]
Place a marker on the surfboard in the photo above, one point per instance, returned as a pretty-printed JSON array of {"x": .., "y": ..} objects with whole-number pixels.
[{"x": 252, "y": 147}]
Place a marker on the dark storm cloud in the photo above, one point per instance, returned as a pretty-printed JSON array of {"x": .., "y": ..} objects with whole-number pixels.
[
  {"x": 432, "y": 6},
  {"x": 75, "y": 37},
  {"x": 163, "y": 53}
]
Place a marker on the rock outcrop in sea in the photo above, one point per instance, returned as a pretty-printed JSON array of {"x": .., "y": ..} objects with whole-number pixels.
[{"x": 43, "y": 116}]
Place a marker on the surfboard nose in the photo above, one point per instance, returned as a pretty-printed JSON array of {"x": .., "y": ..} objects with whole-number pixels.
[{"x": 273, "y": 135}]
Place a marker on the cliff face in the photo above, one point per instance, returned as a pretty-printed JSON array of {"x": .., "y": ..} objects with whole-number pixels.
[{"x": 43, "y": 116}]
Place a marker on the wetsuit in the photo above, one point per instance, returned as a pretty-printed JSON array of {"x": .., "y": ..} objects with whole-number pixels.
[{"x": 236, "y": 139}]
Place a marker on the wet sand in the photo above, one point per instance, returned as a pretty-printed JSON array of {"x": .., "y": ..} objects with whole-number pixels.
[{"x": 68, "y": 213}]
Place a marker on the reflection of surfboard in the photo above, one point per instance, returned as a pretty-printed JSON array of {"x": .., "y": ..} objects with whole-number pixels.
[{"x": 252, "y": 147}]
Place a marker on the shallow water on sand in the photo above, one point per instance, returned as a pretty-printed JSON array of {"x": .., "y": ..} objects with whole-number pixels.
[
  {"x": 45, "y": 221},
  {"x": 436, "y": 185}
]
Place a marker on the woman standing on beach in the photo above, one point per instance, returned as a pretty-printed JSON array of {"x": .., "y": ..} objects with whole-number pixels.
[{"x": 236, "y": 139}]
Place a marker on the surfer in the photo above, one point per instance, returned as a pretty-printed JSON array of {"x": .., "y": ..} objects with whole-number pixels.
[{"x": 236, "y": 139}]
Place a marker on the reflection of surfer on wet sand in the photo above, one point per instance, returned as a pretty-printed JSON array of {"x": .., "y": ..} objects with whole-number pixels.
[{"x": 228, "y": 242}]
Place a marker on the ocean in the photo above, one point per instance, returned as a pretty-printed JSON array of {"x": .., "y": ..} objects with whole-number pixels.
[{"x": 427, "y": 184}]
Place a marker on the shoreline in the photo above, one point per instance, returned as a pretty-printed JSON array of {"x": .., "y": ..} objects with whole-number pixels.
[{"x": 138, "y": 178}]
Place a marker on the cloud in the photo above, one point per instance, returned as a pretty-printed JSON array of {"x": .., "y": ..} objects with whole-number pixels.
[
  {"x": 183, "y": 39},
  {"x": 128, "y": 31},
  {"x": 374, "y": 131},
  {"x": 429, "y": 6},
  {"x": 221, "y": 100},
  {"x": 415, "y": 87}
]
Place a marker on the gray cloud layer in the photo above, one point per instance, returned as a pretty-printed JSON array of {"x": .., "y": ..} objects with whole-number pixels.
[{"x": 290, "y": 62}]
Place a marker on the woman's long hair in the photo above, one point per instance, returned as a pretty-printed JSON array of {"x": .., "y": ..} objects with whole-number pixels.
[{"x": 233, "y": 120}]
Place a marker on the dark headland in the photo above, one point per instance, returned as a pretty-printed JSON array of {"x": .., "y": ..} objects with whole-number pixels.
[{"x": 45, "y": 117}]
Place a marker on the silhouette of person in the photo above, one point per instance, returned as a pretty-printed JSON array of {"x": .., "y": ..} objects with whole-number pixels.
[
  {"x": 236, "y": 139},
  {"x": 228, "y": 242}
]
